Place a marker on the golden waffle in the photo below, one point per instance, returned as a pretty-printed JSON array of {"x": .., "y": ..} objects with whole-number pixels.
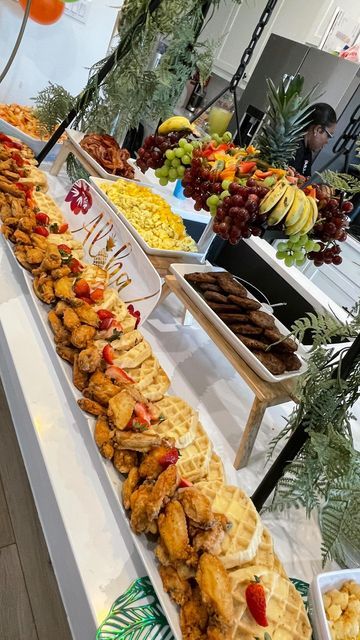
[
  {"x": 145, "y": 373},
  {"x": 193, "y": 463},
  {"x": 215, "y": 472},
  {"x": 158, "y": 387},
  {"x": 112, "y": 302},
  {"x": 285, "y": 610},
  {"x": 242, "y": 540},
  {"x": 36, "y": 177},
  {"x": 76, "y": 247},
  {"x": 265, "y": 555},
  {"x": 128, "y": 322},
  {"x": 278, "y": 568},
  {"x": 48, "y": 206},
  {"x": 134, "y": 357},
  {"x": 127, "y": 341},
  {"x": 180, "y": 421},
  {"x": 95, "y": 276}
]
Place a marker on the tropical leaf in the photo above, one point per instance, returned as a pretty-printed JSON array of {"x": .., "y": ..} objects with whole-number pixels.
[{"x": 136, "y": 615}]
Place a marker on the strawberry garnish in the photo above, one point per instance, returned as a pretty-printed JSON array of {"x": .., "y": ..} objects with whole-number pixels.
[
  {"x": 170, "y": 457},
  {"x": 105, "y": 324},
  {"x": 64, "y": 248},
  {"x": 82, "y": 289},
  {"x": 97, "y": 295},
  {"x": 137, "y": 424},
  {"x": 75, "y": 266},
  {"x": 184, "y": 483},
  {"x": 85, "y": 299},
  {"x": 256, "y": 602},
  {"x": 108, "y": 354},
  {"x": 142, "y": 411},
  {"x": 135, "y": 314},
  {"x": 41, "y": 231},
  {"x": 116, "y": 373},
  {"x": 104, "y": 313},
  {"x": 42, "y": 218}
]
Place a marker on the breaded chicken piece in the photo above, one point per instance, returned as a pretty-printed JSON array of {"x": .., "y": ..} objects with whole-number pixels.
[
  {"x": 125, "y": 460},
  {"x": 80, "y": 378},
  {"x": 82, "y": 336},
  {"x": 66, "y": 353},
  {"x": 44, "y": 288},
  {"x": 101, "y": 389},
  {"x": 178, "y": 589},
  {"x": 89, "y": 359},
  {"x": 34, "y": 255},
  {"x": 129, "y": 486},
  {"x": 197, "y": 507},
  {"x": 20, "y": 237},
  {"x": 215, "y": 589},
  {"x": 141, "y": 442},
  {"x": 121, "y": 408},
  {"x": 64, "y": 288},
  {"x": 60, "y": 333},
  {"x": 138, "y": 504},
  {"x": 150, "y": 467},
  {"x": 70, "y": 318},
  {"x": 211, "y": 539},
  {"x": 91, "y": 407},
  {"x": 164, "y": 489},
  {"x": 51, "y": 260},
  {"x": 61, "y": 272},
  {"x": 194, "y": 617},
  {"x": 86, "y": 314},
  {"x": 103, "y": 437},
  {"x": 174, "y": 534}
]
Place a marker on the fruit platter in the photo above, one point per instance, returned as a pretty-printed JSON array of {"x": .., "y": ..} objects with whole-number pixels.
[
  {"x": 157, "y": 228},
  {"x": 254, "y": 191},
  {"x": 257, "y": 336},
  {"x": 203, "y": 543}
]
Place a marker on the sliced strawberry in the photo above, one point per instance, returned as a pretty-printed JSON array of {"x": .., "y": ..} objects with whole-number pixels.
[
  {"x": 41, "y": 231},
  {"x": 170, "y": 457},
  {"x": 108, "y": 354},
  {"x": 85, "y": 299},
  {"x": 137, "y": 424},
  {"x": 115, "y": 373},
  {"x": 81, "y": 289},
  {"x": 113, "y": 332},
  {"x": 105, "y": 324},
  {"x": 135, "y": 314},
  {"x": 104, "y": 313},
  {"x": 184, "y": 483},
  {"x": 142, "y": 411},
  {"x": 64, "y": 247},
  {"x": 97, "y": 295},
  {"x": 42, "y": 218},
  {"x": 75, "y": 266},
  {"x": 63, "y": 227}
]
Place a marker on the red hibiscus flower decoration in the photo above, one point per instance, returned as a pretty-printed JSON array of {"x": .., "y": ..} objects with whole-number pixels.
[
  {"x": 135, "y": 314},
  {"x": 79, "y": 197}
]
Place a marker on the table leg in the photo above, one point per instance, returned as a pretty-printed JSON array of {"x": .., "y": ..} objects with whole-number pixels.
[
  {"x": 60, "y": 159},
  {"x": 251, "y": 430}
]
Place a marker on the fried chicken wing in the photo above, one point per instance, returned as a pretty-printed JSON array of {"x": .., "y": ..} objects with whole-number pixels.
[
  {"x": 38, "y": 241},
  {"x": 150, "y": 467},
  {"x": 91, "y": 407},
  {"x": 21, "y": 257},
  {"x": 121, "y": 408},
  {"x": 103, "y": 436},
  {"x": 20, "y": 237},
  {"x": 82, "y": 336},
  {"x": 194, "y": 617},
  {"x": 87, "y": 315},
  {"x": 101, "y": 388},
  {"x": 52, "y": 259},
  {"x": 27, "y": 224},
  {"x": 138, "y": 504},
  {"x": 57, "y": 327},
  {"x": 178, "y": 589},
  {"x": 80, "y": 378},
  {"x": 34, "y": 255},
  {"x": 70, "y": 318},
  {"x": 63, "y": 288},
  {"x": 129, "y": 486},
  {"x": 164, "y": 489},
  {"x": 174, "y": 534},
  {"x": 44, "y": 288},
  {"x": 66, "y": 353},
  {"x": 197, "y": 507},
  {"x": 141, "y": 442},
  {"x": 61, "y": 272},
  {"x": 215, "y": 589},
  {"x": 89, "y": 359},
  {"x": 125, "y": 460},
  {"x": 211, "y": 539}
]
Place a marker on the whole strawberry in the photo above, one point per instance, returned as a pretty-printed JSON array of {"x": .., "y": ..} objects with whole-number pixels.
[{"x": 256, "y": 602}]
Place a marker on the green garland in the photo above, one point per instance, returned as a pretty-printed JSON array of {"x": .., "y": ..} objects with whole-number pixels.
[
  {"x": 325, "y": 475},
  {"x": 133, "y": 91}
]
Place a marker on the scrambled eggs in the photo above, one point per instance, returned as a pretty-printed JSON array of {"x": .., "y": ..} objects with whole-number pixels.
[
  {"x": 150, "y": 215},
  {"x": 342, "y": 608}
]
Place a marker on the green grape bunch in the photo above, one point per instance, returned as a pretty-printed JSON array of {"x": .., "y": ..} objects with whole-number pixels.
[{"x": 294, "y": 251}]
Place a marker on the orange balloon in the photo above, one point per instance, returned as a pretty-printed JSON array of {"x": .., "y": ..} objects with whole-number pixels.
[{"x": 45, "y": 11}]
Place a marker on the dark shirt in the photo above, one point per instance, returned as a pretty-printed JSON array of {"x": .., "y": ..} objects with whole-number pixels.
[{"x": 303, "y": 160}]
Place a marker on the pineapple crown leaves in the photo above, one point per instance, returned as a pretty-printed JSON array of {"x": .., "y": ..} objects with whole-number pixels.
[{"x": 288, "y": 116}]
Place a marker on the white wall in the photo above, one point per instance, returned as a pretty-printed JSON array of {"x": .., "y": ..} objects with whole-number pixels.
[{"x": 61, "y": 52}]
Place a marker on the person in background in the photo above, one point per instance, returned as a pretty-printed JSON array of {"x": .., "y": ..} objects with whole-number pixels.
[{"x": 320, "y": 130}]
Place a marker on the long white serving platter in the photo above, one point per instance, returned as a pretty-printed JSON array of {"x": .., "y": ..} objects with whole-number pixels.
[
  {"x": 34, "y": 143},
  {"x": 179, "y": 270},
  {"x": 187, "y": 255}
]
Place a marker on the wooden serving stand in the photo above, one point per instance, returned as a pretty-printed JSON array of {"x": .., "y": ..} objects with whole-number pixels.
[{"x": 267, "y": 394}]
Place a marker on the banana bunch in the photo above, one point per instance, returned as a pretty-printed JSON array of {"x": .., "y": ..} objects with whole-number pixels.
[
  {"x": 289, "y": 203},
  {"x": 175, "y": 123}
]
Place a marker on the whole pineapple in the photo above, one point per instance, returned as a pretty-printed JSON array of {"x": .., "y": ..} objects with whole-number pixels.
[{"x": 285, "y": 122}]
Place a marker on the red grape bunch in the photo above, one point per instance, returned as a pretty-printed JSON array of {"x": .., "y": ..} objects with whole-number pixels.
[
  {"x": 200, "y": 182},
  {"x": 331, "y": 227},
  {"x": 152, "y": 153},
  {"x": 328, "y": 254},
  {"x": 237, "y": 213}
]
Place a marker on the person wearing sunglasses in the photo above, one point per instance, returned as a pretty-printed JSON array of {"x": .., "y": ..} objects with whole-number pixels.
[{"x": 318, "y": 133}]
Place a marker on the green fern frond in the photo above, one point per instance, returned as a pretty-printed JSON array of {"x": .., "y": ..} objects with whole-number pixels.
[{"x": 341, "y": 181}]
